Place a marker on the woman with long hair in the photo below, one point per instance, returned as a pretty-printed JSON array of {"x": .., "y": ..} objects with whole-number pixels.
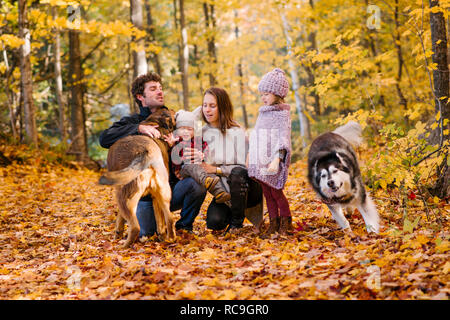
[{"x": 228, "y": 148}]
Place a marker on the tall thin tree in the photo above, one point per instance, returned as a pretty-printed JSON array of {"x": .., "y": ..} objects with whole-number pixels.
[
  {"x": 241, "y": 76},
  {"x": 210, "y": 24},
  {"x": 441, "y": 90},
  {"x": 58, "y": 81},
  {"x": 26, "y": 81},
  {"x": 303, "y": 121},
  {"x": 78, "y": 135},
  {"x": 184, "y": 55},
  {"x": 139, "y": 59},
  {"x": 151, "y": 37}
]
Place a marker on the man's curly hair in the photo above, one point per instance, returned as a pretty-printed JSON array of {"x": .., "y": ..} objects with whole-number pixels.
[{"x": 138, "y": 85}]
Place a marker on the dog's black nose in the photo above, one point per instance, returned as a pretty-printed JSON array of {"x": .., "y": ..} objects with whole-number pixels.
[{"x": 330, "y": 183}]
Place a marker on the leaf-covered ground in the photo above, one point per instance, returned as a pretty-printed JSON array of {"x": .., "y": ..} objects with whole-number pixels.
[{"x": 56, "y": 242}]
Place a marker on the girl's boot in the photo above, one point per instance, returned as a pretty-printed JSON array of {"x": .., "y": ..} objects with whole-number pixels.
[
  {"x": 286, "y": 227},
  {"x": 274, "y": 226}
]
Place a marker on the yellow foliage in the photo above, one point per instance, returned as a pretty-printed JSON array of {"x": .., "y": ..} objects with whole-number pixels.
[{"x": 10, "y": 40}]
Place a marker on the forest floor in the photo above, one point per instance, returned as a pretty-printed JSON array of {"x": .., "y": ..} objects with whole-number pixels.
[{"x": 57, "y": 242}]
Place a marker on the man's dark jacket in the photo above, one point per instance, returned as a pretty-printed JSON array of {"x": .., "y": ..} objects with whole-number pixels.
[{"x": 128, "y": 126}]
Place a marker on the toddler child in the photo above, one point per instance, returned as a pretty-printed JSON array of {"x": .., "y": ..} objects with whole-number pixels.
[{"x": 182, "y": 168}]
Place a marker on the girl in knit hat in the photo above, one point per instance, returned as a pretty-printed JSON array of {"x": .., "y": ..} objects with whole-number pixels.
[{"x": 270, "y": 149}]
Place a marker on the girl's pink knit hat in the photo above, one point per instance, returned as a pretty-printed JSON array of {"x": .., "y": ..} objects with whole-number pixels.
[{"x": 274, "y": 82}]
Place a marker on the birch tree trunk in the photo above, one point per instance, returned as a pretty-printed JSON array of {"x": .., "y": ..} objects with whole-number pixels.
[
  {"x": 59, "y": 83},
  {"x": 11, "y": 96},
  {"x": 31, "y": 136},
  {"x": 303, "y": 121},
  {"x": 139, "y": 59},
  {"x": 180, "y": 53},
  {"x": 241, "y": 77},
  {"x": 184, "y": 56},
  {"x": 310, "y": 70}
]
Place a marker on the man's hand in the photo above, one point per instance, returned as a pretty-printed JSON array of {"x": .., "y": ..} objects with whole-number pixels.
[
  {"x": 273, "y": 166},
  {"x": 150, "y": 131},
  {"x": 191, "y": 155}
]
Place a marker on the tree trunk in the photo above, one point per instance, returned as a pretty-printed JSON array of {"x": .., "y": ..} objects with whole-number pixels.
[
  {"x": 154, "y": 57},
  {"x": 241, "y": 76},
  {"x": 399, "y": 57},
  {"x": 10, "y": 96},
  {"x": 184, "y": 56},
  {"x": 242, "y": 93},
  {"x": 310, "y": 70},
  {"x": 140, "y": 62},
  {"x": 78, "y": 133},
  {"x": 133, "y": 105},
  {"x": 210, "y": 24},
  {"x": 374, "y": 51},
  {"x": 59, "y": 83},
  {"x": 31, "y": 136},
  {"x": 441, "y": 90},
  {"x": 198, "y": 73},
  {"x": 303, "y": 121}
]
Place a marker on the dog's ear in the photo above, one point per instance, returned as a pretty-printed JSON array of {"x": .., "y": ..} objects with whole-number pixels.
[
  {"x": 341, "y": 159},
  {"x": 344, "y": 163},
  {"x": 314, "y": 169}
]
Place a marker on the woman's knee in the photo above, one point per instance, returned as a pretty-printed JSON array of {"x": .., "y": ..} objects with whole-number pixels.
[
  {"x": 238, "y": 175},
  {"x": 217, "y": 216},
  {"x": 238, "y": 182}
]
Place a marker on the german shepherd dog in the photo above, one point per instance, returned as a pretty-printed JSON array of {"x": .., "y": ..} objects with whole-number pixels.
[{"x": 137, "y": 166}]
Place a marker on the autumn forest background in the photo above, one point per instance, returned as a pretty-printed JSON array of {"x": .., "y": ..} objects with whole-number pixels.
[{"x": 66, "y": 68}]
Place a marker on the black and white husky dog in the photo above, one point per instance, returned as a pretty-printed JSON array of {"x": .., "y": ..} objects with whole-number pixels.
[{"x": 334, "y": 173}]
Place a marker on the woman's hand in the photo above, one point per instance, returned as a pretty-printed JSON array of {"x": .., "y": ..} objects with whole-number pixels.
[
  {"x": 208, "y": 168},
  {"x": 273, "y": 166},
  {"x": 191, "y": 155}
]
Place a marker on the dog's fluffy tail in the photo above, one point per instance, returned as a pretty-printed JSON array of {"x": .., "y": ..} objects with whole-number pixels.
[
  {"x": 352, "y": 132},
  {"x": 128, "y": 174}
]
